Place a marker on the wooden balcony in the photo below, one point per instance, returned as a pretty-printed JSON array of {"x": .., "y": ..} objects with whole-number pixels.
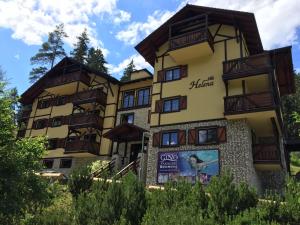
[
  {"x": 266, "y": 153},
  {"x": 238, "y": 104},
  {"x": 25, "y": 114},
  {"x": 191, "y": 38},
  {"x": 76, "y": 146},
  {"x": 68, "y": 78},
  {"x": 90, "y": 96},
  {"x": 247, "y": 66},
  {"x": 83, "y": 120}
]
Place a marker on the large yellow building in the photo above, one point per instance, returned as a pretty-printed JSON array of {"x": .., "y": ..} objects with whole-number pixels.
[{"x": 212, "y": 104}]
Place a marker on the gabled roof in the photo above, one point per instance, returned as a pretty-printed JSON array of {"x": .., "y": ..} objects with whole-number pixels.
[
  {"x": 38, "y": 87},
  {"x": 243, "y": 20}
]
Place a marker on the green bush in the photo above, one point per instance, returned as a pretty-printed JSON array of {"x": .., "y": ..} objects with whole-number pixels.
[{"x": 80, "y": 181}]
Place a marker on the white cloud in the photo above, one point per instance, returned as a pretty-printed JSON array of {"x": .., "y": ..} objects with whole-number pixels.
[
  {"x": 277, "y": 20},
  {"x": 17, "y": 56},
  {"x": 138, "y": 60},
  {"x": 32, "y": 20},
  {"x": 138, "y": 30},
  {"x": 297, "y": 70}
]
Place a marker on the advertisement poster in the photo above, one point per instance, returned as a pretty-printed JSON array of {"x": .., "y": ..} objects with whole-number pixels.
[{"x": 199, "y": 165}]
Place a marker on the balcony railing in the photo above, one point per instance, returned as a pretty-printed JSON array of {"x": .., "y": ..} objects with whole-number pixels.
[
  {"x": 241, "y": 67},
  {"x": 82, "y": 120},
  {"x": 266, "y": 153},
  {"x": 95, "y": 95},
  {"x": 191, "y": 38},
  {"x": 249, "y": 103},
  {"x": 82, "y": 146},
  {"x": 68, "y": 78},
  {"x": 25, "y": 114}
]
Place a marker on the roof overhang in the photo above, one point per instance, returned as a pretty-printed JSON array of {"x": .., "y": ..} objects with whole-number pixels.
[
  {"x": 125, "y": 132},
  {"x": 243, "y": 20},
  {"x": 283, "y": 64}
]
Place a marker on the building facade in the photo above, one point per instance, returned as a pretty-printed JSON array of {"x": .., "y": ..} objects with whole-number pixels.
[{"x": 213, "y": 104}]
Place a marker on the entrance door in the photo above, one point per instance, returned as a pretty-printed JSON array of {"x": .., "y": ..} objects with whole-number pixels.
[{"x": 134, "y": 151}]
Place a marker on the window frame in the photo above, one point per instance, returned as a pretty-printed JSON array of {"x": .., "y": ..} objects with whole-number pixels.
[
  {"x": 61, "y": 100},
  {"x": 171, "y": 106},
  {"x": 54, "y": 119},
  {"x": 172, "y": 70},
  {"x": 49, "y": 160},
  {"x": 130, "y": 93},
  {"x": 44, "y": 124},
  {"x": 143, "y": 96},
  {"x": 207, "y": 129},
  {"x": 61, "y": 166},
  {"x": 126, "y": 115},
  {"x": 170, "y": 132},
  {"x": 42, "y": 102}
]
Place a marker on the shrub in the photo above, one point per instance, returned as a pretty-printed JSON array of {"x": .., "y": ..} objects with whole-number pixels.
[{"x": 80, "y": 181}]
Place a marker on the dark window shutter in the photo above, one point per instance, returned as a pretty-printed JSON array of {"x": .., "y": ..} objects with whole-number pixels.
[
  {"x": 158, "y": 106},
  {"x": 192, "y": 137},
  {"x": 156, "y": 139},
  {"x": 181, "y": 137},
  {"x": 160, "y": 75},
  {"x": 183, "y": 71},
  {"x": 221, "y": 134},
  {"x": 183, "y": 102}
]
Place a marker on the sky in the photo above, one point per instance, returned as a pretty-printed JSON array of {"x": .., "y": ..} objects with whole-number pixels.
[{"x": 116, "y": 26}]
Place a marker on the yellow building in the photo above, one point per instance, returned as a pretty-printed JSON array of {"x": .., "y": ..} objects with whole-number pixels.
[{"x": 213, "y": 104}]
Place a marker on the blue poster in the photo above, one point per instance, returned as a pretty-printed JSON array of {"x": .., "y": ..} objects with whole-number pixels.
[{"x": 199, "y": 165}]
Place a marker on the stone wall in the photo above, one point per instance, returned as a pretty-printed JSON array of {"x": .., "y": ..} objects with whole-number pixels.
[
  {"x": 140, "y": 117},
  {"x": 235, "y": 153}
]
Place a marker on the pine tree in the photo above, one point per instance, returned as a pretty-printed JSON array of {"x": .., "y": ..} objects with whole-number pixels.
[
  {"x": 48, "y": 53},
  {"x": 96, "y": 60},
  {"x": 80, "y": 52},
  {"x": 127, "y": 71}
]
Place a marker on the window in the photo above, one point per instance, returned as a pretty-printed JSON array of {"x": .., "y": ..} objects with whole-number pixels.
[
  {"x": 90, "y": 137},
  {"x": 52, "y": 144},
  {"x": 170, "y": 139},
  {"x": 44, "y": 104},
  {"x": 60, "y": 100},
  {"x": 128, "y": 99},
  {"x": 207, "y": 136},
  {"x": 65, "y": 163},
  {"x": 127, "y": 118},
  {"x": 171, "y": 105},
  {"x": 173, "y": 74},
  {"x": 143, "y": 97},
  {"x": 40, "y": 124},
  {"x": 56, "y": 122},
  {"x": 48, "y": 163}
]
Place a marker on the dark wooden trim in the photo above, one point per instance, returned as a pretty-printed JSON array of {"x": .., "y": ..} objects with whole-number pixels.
[{"x": 189, "y": 122}]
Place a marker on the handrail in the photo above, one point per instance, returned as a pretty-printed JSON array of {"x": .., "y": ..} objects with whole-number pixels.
[
  {"x": 105, "y": 168},
  {"x": 249, "y": 94},
  {"x": 133, "y": 165},
  {"x": 248, "y": 57}
]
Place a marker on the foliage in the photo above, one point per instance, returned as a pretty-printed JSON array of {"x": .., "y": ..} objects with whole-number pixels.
[
  {"x": 50, "y": 50},
  {"x": 96, "y": 61},
  {"x": 80, "y": 181},
  {"x": 290, "y": 106},
  {"x": 127, "y": 71},
  {"x": 80, "y": 52}
]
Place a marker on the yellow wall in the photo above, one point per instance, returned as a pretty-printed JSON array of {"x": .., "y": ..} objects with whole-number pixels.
[{"x": 138, "y": 75}]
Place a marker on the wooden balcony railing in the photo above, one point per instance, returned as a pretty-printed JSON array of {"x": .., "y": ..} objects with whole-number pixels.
[
  {"x": 191, "y": 38},
  {"x": 248, "y": 103},
  {"x": 83, "y": 120},
  {"x": 82, "y": 146},
  {"x": 133, "y": 166},
  {"x": 241, "y": 67},
  {"x": 25, "y": 114},
  {"x": 266, "y": 153},
  {"x": 106, "y": 170},
  {"x": 68, "y": 78},
  {"x": 95, "y": 95}
]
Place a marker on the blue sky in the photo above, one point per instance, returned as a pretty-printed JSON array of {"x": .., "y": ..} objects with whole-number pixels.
[{"x": 116, "y": 26}]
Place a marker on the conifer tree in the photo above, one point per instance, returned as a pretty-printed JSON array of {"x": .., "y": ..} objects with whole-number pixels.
[
  {"x": 96, "y": 60},
  {"x": 50, "y": 50},
  {"x": 127, "y": 71},
  {"x": 80, "y": 52}
]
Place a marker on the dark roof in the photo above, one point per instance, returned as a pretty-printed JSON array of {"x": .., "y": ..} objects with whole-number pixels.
[
  {"x": 125, "y": 132},
  {"x": 243, "y": 20},
  {"x": 37, "y": 88},
  {"x": 136, "y": 80},
  {"x": 283, "y": 63}
]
